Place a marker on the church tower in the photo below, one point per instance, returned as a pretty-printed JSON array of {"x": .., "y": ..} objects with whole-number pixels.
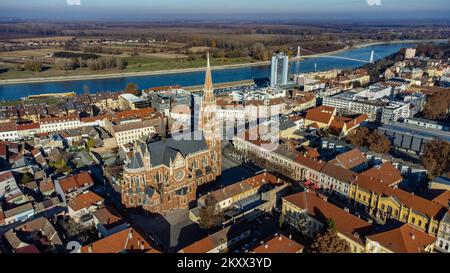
[{"x": 208, "y": 120}]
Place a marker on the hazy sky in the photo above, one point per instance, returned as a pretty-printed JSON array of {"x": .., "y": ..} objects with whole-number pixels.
[{"x": 223, "y": 9}]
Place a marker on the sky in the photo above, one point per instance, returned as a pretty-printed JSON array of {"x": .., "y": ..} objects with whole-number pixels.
[{"x": 138, "y": 10}]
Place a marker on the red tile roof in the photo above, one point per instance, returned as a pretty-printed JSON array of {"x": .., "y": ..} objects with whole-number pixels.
[
  {"x": 80, "y": 180},
  {"x": 311, "y": 163},
  {"x": 27, "y": 126},
  {"x": 347, "y": 224},
  {"x": 279, "y": 244},
  {"x": 237, "y": 188},
  {"x": 351, "y": 159},
  {"x": 8, "y": 126},
  {"x": 71, "y": 117},
  {"x": 385, "y": 173},
  {"x": 404, "y": 239},
  {"x": 417, "y": 203},
  {"x": 128, "y": 240},
  {"x": 443, "y": 199},
  {"x": 6, "y": 176},
  {"x": 322, "y": 114},
  {"x": 85, "y": 200}
]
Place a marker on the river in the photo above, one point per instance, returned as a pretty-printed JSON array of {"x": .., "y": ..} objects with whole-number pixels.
[{"x": 19, "y": 90}]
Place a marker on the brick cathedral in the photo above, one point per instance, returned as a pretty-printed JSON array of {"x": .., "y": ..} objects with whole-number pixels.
[{"x": 163, "y": 175}]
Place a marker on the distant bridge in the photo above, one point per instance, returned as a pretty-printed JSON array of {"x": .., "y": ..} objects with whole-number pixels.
[{"x": 329, "y": 55}]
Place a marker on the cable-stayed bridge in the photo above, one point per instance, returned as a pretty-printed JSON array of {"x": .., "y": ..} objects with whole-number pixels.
[{"x": 371, "y": 58}]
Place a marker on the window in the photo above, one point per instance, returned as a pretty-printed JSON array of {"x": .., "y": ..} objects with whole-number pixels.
[
  {"x": 413, "y": 220},
  {"x": 420, "y": 223}
]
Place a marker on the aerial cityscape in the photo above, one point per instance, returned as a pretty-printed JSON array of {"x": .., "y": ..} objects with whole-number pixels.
[{"x": 129, "y": 128}]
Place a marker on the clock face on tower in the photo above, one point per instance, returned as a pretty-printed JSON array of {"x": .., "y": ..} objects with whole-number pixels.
[{"x": 179, "y": 175}]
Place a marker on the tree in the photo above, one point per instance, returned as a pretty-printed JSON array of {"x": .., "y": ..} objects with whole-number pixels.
[
  {"x": 378, "y": 143},
  {"x": 132, "y": 88},
  {"x": 436, "y": 157},
  {"x": 281, "y": 221},
  {"x": 33, "y": 66},
  {"x": 121, "y": 63},
  {"x": 358, "y": 137},
  {"x": 209, "y": 215},
  {"x": 437, "y": 105},
  {"x": 90, "y": 143},
  {"x": 26, "y": 178},
  {"x": 329, "y": 241}
]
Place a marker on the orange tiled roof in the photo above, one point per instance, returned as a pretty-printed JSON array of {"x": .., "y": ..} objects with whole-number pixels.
[
  {"x": 443, "y": 199},
  {"x": 311, "y": 163},
  {"x": 351, "y": 158},
  {"x": 356, "y": 121},
  {"x": 128, "y": 240},
  {"x": 27, "y": 126},
  {"x": 279, "y": 244},
  {"x": 404, "y": 239},
  {"x": 84, "y": 200},
  {"x": 71, "y": 117},
  {"x": 76, "y": 181},
  {"x": 6, "y": 175},
  {"x": 137, "y": 113},
  {"x": 385, "y": 173},
  {"x": 243, "y": 186},
  {"x": 347, "y": 224},
  {"x": 417, "y": 203},
  {"x": 322, "y": 114}
]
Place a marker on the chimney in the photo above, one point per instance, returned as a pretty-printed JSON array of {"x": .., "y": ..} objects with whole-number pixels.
[
  {"x": 90, "y": 248},
  {"x": 266, "y": 246}
]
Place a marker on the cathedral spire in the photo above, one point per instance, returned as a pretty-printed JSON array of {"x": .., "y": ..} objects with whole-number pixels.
[{"x": 208, "y": 77}]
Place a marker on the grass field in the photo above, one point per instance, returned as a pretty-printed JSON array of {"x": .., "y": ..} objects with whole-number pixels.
[{"x": 135, "y": 64}]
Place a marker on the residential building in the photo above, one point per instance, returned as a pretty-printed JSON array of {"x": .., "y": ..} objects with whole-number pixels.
[
  {"x": 81, "y": 206},
  {"x": 440, "y": 183},
  {"x": 399, "y": 238},
  {"x": 9, "y": 190},
  {"x": 443, "y": 236},
  {"x": 18, "y": 214},
  {"x": 384, "y": 202},
  {"x": 279, "y": 70},
  {"x": 385, "y": 173},
  {"x": 73, "y": 185},
  {"x": 108, "y": 221},
  {"x": 54, "y": 124},
  {"x": 278, "y": 244},
  {"x": 130, "y": 101},
  {"x": 336, "y": 179},
  {"x": 320, "y": 117},
  {"x": 45, "y": 239},
  {"x": 125, "y": 241},
  {"x": 8, "y": 131},
  {"x": 353, "y": 160},
  {"x": 317, "y": 212},
  {"x": 221, "y": 241}
]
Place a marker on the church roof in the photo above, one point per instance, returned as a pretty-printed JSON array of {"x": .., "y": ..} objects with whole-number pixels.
[{"x": 164, "y": 151}]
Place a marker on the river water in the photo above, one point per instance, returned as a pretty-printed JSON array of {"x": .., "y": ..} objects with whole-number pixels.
[{"x": 17, "y": 91}]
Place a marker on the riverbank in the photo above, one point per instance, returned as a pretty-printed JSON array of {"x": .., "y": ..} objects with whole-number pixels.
[
  {"x": 150, "y": 73},
  {"x": 187, "y": 70}
]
